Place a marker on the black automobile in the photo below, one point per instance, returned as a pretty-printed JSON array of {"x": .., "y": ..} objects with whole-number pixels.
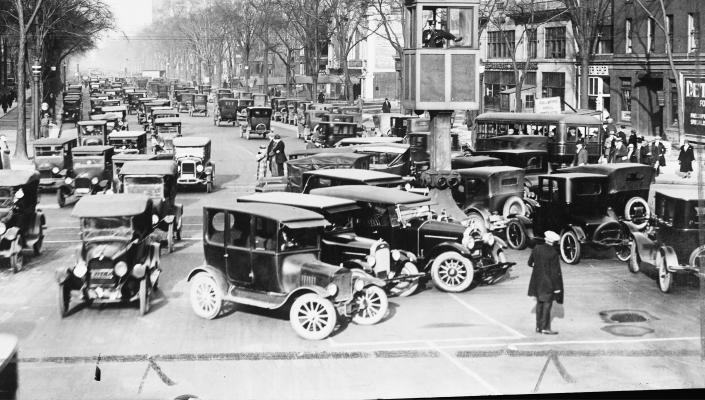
[
  {"x": 193, "y": 160},
  {"x": 671, "y": 244},
  {"x": 331, "y": 132},
  {"x": 21, "y": 222},
  {"x": 341, "y": 246},
  {"x": 93, "y": 173},
  {"x": 72, "y": 108},
  {"x": 53, "y": 159},
  {"x": 267, "y": 256},
  {"x": 452, "y": 254},
  {"x": 258, "y": 122},
  {"x": 128, "y": 142},
  {"x": 225, "y": 111},
  {"x": 116, "y": 262},
  {"x": 92, "y": 133},
  {"x": 327, "y": 177}
]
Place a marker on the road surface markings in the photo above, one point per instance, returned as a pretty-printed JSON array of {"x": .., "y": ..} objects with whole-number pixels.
[
  {"x": 491, "y": 389},
  {"x": 412, "y": 341},
  {"x": 487, "y": 317},
  {"x": 561, "y": 370}
]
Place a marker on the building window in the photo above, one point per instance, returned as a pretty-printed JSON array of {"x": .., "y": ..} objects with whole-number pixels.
[
  {"x": 530, "y": 78},
  {"x": 669, "y": 29},
  {"x": 604, "y": 45},
  {"x": 555, "y": 42},
  {"x": 554, "y": 85},
  {"x": 496, "y": 82},
  {"x": 628, "y": 35},
  {"x": 674, "y": 103},
  {"x": 497, "y": 44},
  {"x": 651, "y": 35},
  {"x": 693, "y": 31},
  {"x": 529, "y": 102},
  {"x": 626, "y": 94},
  {"x": 532, "y": 43}
]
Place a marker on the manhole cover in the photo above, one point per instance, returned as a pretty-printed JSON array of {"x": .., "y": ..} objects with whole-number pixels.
[
  {"x": 627, "y": 330},
  {"x": 625, "y": 316},
  {"x": 628, "y": 317}
]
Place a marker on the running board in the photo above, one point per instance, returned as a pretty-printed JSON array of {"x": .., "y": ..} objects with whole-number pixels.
[{"x": 249, "y": 297}]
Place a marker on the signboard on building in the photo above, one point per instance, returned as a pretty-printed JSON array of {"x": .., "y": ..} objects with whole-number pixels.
[
  {"x": 694, "y": 105},
  {"x": 548, "y": 105}
]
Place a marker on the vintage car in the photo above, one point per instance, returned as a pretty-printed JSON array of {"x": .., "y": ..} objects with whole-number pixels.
[
  {"x": 331, "y": 132},
  {"x": 452, "y": 254},
  {"x": 53, "y": 160},
  {"x": 113, "y": 121},
  {"x": 473, "y": 161},
  {"x": 267, "y": 256},
  {"x": 156, "y": 179},
  {"x": 672, "y": 243},
  {"x": 367, "y": 140},
  {"x": 141, "y": 108},
  {"x": 147, "y": 107},
  {"x": 398, "y": 124},
  {"x": 93, "y": 173},
  {"x": 133, "y": 100},
  {"x": 628, "y": 190},
  {"x": 277, "y": 103},
  {"x": 117, "y": 261},
  {"x": 223, "y": 93},
  {"x": 9, "y": 371},
  {"x": 258, "y": 122},
  {"x": 185, "y": 102},
  {"x": 313, "y": 119},
  {"x": 128, "y": 142},
  {"x": 327, "y": 177},
  {"x": 92, "y": 133},
  {"x": 167, "y": 126},
  {"x": 120, "y": 159},
  {"x": 534, "y": 162},
  {"x": 193, "y": 158},
  {"x": 121, "y": 110},
  {"x": 575, "y": 205},
  {"x": 242, "y": 106},
  {"x": 72, "y": 108},
  {"x": 225, "y": 111},
  {"x": 341, "y": 246},
  {"x": 21, "y": 223},
  {"x": 200, "y": 105},
  {"x": 392, "y": 158},
  {"x": 418, "y": 144}
]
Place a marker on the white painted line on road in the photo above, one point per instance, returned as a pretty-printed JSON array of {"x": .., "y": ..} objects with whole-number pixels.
[
  {"x": 491, "y": 389},
  {"x": 402, "y": 342},
  {"x": 607, "y": 341},
  {"x": 487, "y": 317}
]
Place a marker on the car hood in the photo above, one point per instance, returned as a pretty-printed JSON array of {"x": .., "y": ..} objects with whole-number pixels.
[
  {"x": 308, "y": 269},
  {"x": 351, "y": 240},
  {"x": 439, "y": 228},
  {"x": 109, "y": 249}
]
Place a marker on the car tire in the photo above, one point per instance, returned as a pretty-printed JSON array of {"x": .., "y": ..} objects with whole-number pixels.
[
  {"x": 451, "y": 272},
  {"x": 144, "y": 296},
  {"x": 637, "y": 201},
  {"x": 477, "y": 221},
  {"x": 209, "y": 187},
  {"x": 313, "y": 317},
  {"x": 516, "y": 235},
  {"x": 373, "y": 305},
  {"x": 514, "y": 205},
  {"x": 406, "y": 288},
  {"x": 64, "y": 300},
  {"x": 624, "y": 253},
  {"x": 37, "y": 246},
  {"x": 206, "y": 299},
  {"x": 17, "y": 262},
  {"x": 170, "y": 238},
  {"x": 570, "y": 247},
  {"x": 60, "y": 198},
  {"x": 665, "y": 277},
  {"x": 633, "y": 262}
]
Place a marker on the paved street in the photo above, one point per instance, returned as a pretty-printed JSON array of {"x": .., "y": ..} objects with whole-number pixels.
[{"x": 430, "y": 344}]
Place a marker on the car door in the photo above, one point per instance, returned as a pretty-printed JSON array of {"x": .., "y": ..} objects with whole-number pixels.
[
  {"x": 214, "y": 238},
  {"x": 264, "y": 254},
  {"x": 551, "y": 213},
  {"x": 237, "y": 245}
]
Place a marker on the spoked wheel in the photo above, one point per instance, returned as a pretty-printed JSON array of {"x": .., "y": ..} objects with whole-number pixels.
[
  {"x": 406, "y": 288},
  {"x": 624, "y": 253},
  {"x": 637, "y": 210},
  {"x": 313, "y": 317},
  {"x": 37, "y": 247},
  {"x": 372, "y": 304},
  {"x": 516, "y": 235},
  {"x": 64, "y": 299},
  {"x": 451, "y": 272},
  {"x": 60, "y": 198},
  {"x": 206, "y": 299},
  {"x": 144, "y": 296},
  {"x": 665, "y": 277},
  {"x": 633, "y": 262},
  {"x": 570, "y": 247}
]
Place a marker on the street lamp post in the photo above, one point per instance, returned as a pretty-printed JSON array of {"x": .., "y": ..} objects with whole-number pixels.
[
  {"x": 64, "y": 77},
  {"x": 36, "y": 101}
]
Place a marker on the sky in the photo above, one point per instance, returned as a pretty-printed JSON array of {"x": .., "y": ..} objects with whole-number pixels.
[{"x": 131, "y": 15}]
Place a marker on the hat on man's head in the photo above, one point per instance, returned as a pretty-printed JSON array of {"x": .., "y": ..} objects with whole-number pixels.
[
  {"x": 551, "y": 237},
  {"x": 618, "y": 138}
]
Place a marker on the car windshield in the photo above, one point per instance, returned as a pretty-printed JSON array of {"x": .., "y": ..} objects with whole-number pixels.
[
  {"x": 47, "y": 151},
  {"x": 118, "y": 227},
  {"x": 91, "y": 131},
  {"x": 298, "y": 239},
  {"x": 87, "y": 161},
  {"x": 340, "y": 222},
  {"x": 188, "y": 152},
  {"x": 406, "y": 213},
  {"x": 151, "y": 186},
  {"x": 259, "y": 113},
  {"x": 6, "y": 197}
]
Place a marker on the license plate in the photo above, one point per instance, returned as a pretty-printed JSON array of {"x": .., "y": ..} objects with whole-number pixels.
[{"x": 102, "y": 274}]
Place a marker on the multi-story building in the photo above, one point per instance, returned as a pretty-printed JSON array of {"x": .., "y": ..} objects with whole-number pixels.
[{"x": 642, "y": 84}]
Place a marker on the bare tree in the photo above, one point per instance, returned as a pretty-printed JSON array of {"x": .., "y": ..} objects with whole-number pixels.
[{"x": 391, "y": 17}]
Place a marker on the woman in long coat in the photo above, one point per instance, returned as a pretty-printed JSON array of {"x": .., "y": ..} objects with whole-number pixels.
[
  {"x": 546, "y": 282},
  {"x": 686, "y": 158}
]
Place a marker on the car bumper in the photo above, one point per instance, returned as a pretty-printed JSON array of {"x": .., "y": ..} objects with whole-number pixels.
[
  {"x": 191, "y": 181},
  {"x": 50, "y": 183}
]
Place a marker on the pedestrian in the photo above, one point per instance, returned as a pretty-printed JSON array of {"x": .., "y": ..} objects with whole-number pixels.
[
  {"x": 321, "y": 97},
  {"x": 270, "y": 156},
  {"x": 278, "y": 156},
  {"x": 644, "y": 151},
  {"x": 3, "y": 102},
  {"x": 386, "y": 106},
  {"x": 581, "y": 154},
  {"x": 661, "y": 152},
  {"x": 620, "y": 153},
  {"x": 611, "y": 127},
  {"x": 622, "y": 134},
  {"x": 546, "y": 282},
  {"x": 632, "y": 138},
  {"x": 609, "y": 146},
  {"x": 685, "y": 158}
]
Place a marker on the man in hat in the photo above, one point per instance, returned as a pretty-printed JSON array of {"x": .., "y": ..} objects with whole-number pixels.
[
  {"x": 621, "y": 153},
  {"x": 581, "y": 154},
  {"x": 644, "y": 151},
  {"x": 546, "y": 282},
  {"x": 386, "y": 106},
  {"x": 277, "y": 155}
]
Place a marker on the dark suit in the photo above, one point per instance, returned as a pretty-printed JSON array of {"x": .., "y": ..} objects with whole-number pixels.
[
  {"x": 581, "y": 157},
  {"x": 278, "y": 156},
  {"x": 546, "y": 279},
  {"x": 686, "y": 158},
  {"x": 386, "y": 107}
]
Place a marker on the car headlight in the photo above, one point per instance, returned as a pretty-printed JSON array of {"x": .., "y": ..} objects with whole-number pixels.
[
  {"x": 80, "y": 269},
  {"x": 358, "y": 285},
  {"x": 199, "y": 168},
  {"x": 138, "y": 270},
  {"x": 3, "y": 228},
  {"x": 332, "y": 289},
  {"x": 55, "y": 170},
  {"x": 488, "y": 238},
  {"x": 370, "y": 260},
  {"x": 95, "y": 180},
  {"x": 468, "y": 240},
  {"x": 209, "y": 169},
  {"x": 396, "y": 255},
  {"x": 68, "y": 180},
  {"x": 155, "y": 219},
  {"x": 121, "y": 268}
]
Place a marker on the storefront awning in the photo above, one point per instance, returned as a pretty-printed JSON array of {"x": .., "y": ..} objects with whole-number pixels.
[{"x": 525, "y": 88}]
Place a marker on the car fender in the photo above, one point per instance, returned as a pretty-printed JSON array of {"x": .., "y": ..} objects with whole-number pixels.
[
  {"x": 11, "y": 233},
  {"x": 528, "y": 225},
  {"x": 444, "y": 247},
  {"x": 632, "y": 227},
  {"x": 695, "y": 253},
  {"x": 669, "y": 254},
  {"x": 647, "y": 250},
  {"x": 367, "y": 278},
  {"x": 217, "y": 275},
  {"x": 579, "y": 232},
  {"x": 485, "y": 214},
  {"x": 61, "y": 275}
]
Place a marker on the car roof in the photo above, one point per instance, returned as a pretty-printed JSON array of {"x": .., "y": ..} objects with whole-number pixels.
[
  {"x": 17, "y": 177},
  {"x": 111, "y": 205},
  {"x": 397, "y": 148},
  {"x": 280, "y": 213},
  {"x": 682, "y": 193},
  {"x": 371, "y": 139},
  {"x": 166, "y": 111},
  {"x": 54, "y": 141},
  {"x": 148, "y": 167},
  {"x": 605, "y": 169},
  {"x": 487, "y": 171},
  {"x": 475, "y": 160},
  {"x": 95, "y": 122},
  {"x": 259, "y": 108},
  {"x": 572, "y": 175},
  {"x": 114, "y": 108},
  {"x": 126, "y": 134},
  {"x": 373, "y": 194},
  {"x": 167, "y": 120},
  {"x": 362, "y": 175},
  {"x": 134, "y": 157},
  {"x": 191, "y": 141},
  {"x": 105, "y": 117},
  {"x": 91, "y": 149},
  {"x": 298, "y": 200}
]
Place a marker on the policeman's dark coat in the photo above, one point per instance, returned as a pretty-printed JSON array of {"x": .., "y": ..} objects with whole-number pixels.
[
  {"x": 686, "y": 157},
  {"x": 546, "y": 275}
]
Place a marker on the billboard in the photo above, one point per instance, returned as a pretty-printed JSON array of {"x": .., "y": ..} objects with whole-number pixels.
[{"x": 694, "y": 105}]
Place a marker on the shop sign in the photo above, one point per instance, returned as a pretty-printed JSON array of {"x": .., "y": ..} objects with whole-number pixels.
[
  {"x": 694, "y": 105},
  {"x": 626, "y": 116},
  {"x": 507, "y": 66},
  {"x": 547, "y": 105}
]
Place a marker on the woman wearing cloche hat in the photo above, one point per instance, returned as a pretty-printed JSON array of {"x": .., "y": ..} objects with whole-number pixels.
[{"x": 546, "y": 283}]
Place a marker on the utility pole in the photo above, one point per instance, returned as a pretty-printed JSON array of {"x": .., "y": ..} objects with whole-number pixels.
[{"x": 36, "y": 101}]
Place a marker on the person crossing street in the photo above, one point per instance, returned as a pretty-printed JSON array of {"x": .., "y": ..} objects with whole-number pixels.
[{"x": 546, "y": 282}]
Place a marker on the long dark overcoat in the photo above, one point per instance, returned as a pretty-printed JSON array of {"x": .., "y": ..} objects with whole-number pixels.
[{"x": 546, "y": 275}]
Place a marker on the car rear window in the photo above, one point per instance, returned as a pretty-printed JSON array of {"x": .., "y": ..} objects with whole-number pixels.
[{"x": 510, "y": 181}]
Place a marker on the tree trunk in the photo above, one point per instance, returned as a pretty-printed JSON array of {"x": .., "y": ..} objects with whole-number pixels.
[
  {"x": 584, "y": 75},
  {"x": 518, "y": 78},
  {"x": 21, "y": 144},
  {"x": 289, "y": 62},
  {"x": 265, "y": 67},
  {"x": 219, "y": 72}
]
